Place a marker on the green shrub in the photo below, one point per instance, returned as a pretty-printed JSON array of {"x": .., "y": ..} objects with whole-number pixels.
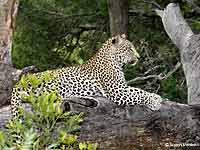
[{"x": 47, "y": 126}]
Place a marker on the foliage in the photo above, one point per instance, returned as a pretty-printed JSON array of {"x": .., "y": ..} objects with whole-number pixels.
[
  {"x": 57, "y": 32},
  {"x": 47, "y": 126},
  {"x": 173, "y": 89}
]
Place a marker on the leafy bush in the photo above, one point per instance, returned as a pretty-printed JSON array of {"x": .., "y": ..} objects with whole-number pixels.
[{"x": 47, "y": 126}]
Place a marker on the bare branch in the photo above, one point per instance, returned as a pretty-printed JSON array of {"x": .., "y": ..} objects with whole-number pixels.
[
  {"x": 177, "y": 66},
  {"x": 141, "y": 13},
  {"x": 195, "y": 7},
  {"x": 159, "y": 77},
  {"x": 152, "y": 3},
  {"x": 152, "y": 69},
  {"x": 144, "y": 78},
  {"x": 159, "y": 12}
]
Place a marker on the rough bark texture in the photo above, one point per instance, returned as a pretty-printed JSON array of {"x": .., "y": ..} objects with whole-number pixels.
[
  {"x": 118, "y": 14},
  {"x": 8, "y": 77},
  {"x": 133, "y": 128},
  {"x": 189, "y": 46},
  {"x": 8, "y": 74},
  {"x": 8, "y": 11}
]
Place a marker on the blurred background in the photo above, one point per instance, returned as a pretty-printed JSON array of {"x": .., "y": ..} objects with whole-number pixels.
[{"x": 58, "y": 33}]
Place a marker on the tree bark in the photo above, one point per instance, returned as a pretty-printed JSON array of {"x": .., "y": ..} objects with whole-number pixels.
[
  {"x": 8, "y": 11},
  {"x": 133, "y": 128},
  {"x": 118, "y": 14},
  {"x": 189, "y": 46},
  {"x": 8, "y": 77},
  {"x": 8, "y": 74}
]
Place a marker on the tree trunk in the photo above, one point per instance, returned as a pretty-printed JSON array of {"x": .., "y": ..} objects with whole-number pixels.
[
  {"x": 118, "y": 14},
  {"x": 8, "y": 74},
  {"x": 189, "y": 46},
  {"x": 8, "y": 11}
]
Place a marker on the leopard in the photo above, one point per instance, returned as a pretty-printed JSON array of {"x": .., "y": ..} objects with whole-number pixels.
[{"x": 101, "y": 76}]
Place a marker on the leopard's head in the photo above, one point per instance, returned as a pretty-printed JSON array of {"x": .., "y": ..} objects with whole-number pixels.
[{"x": 121, "y": 50}]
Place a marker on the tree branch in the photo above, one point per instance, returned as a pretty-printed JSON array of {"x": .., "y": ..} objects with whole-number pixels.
[
  {"x": 141, "y": 13},
  {"x": 144, "y": 78},
  {"x": 152, "y": 3},
  {"x": 177, "y": 66},
  {"x": 189, "y": 46},
  {"x": 195, "y": 7},
  {"x": 159, "y": 77},
  {"x": 151, "y": 69}
]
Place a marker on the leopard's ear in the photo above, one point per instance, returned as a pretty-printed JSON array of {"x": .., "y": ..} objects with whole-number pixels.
[
  {"x": 123, "y": 36},
  {"x": 115, "y": 39},
  {"x": 118, "y": 38}
]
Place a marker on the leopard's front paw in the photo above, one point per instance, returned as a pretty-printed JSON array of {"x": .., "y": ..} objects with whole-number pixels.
[{"x": 155, "y": 102}]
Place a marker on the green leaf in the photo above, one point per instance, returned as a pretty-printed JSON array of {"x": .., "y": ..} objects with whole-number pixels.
[
  {"x": 46, "y": 76},
  {"x": 67, "y": 139},
  {"x": 29, "y": 139},
  {"x": 23, "y": 82},
  {"x": 2, "y": 139},
  {"x": 82, "y": 146},
  {"x": 92, "y": 146},
  {"x": 34, "y": 81}
]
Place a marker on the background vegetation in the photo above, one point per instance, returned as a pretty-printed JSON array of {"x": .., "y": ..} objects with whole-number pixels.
[{"x": 56, "y": 33}]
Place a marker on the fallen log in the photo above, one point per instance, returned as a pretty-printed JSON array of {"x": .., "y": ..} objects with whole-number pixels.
[{"x": 114, "y": 127}]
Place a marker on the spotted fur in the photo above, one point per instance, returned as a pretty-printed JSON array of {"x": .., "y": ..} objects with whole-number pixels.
[{"x": 100, "y": 76}]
